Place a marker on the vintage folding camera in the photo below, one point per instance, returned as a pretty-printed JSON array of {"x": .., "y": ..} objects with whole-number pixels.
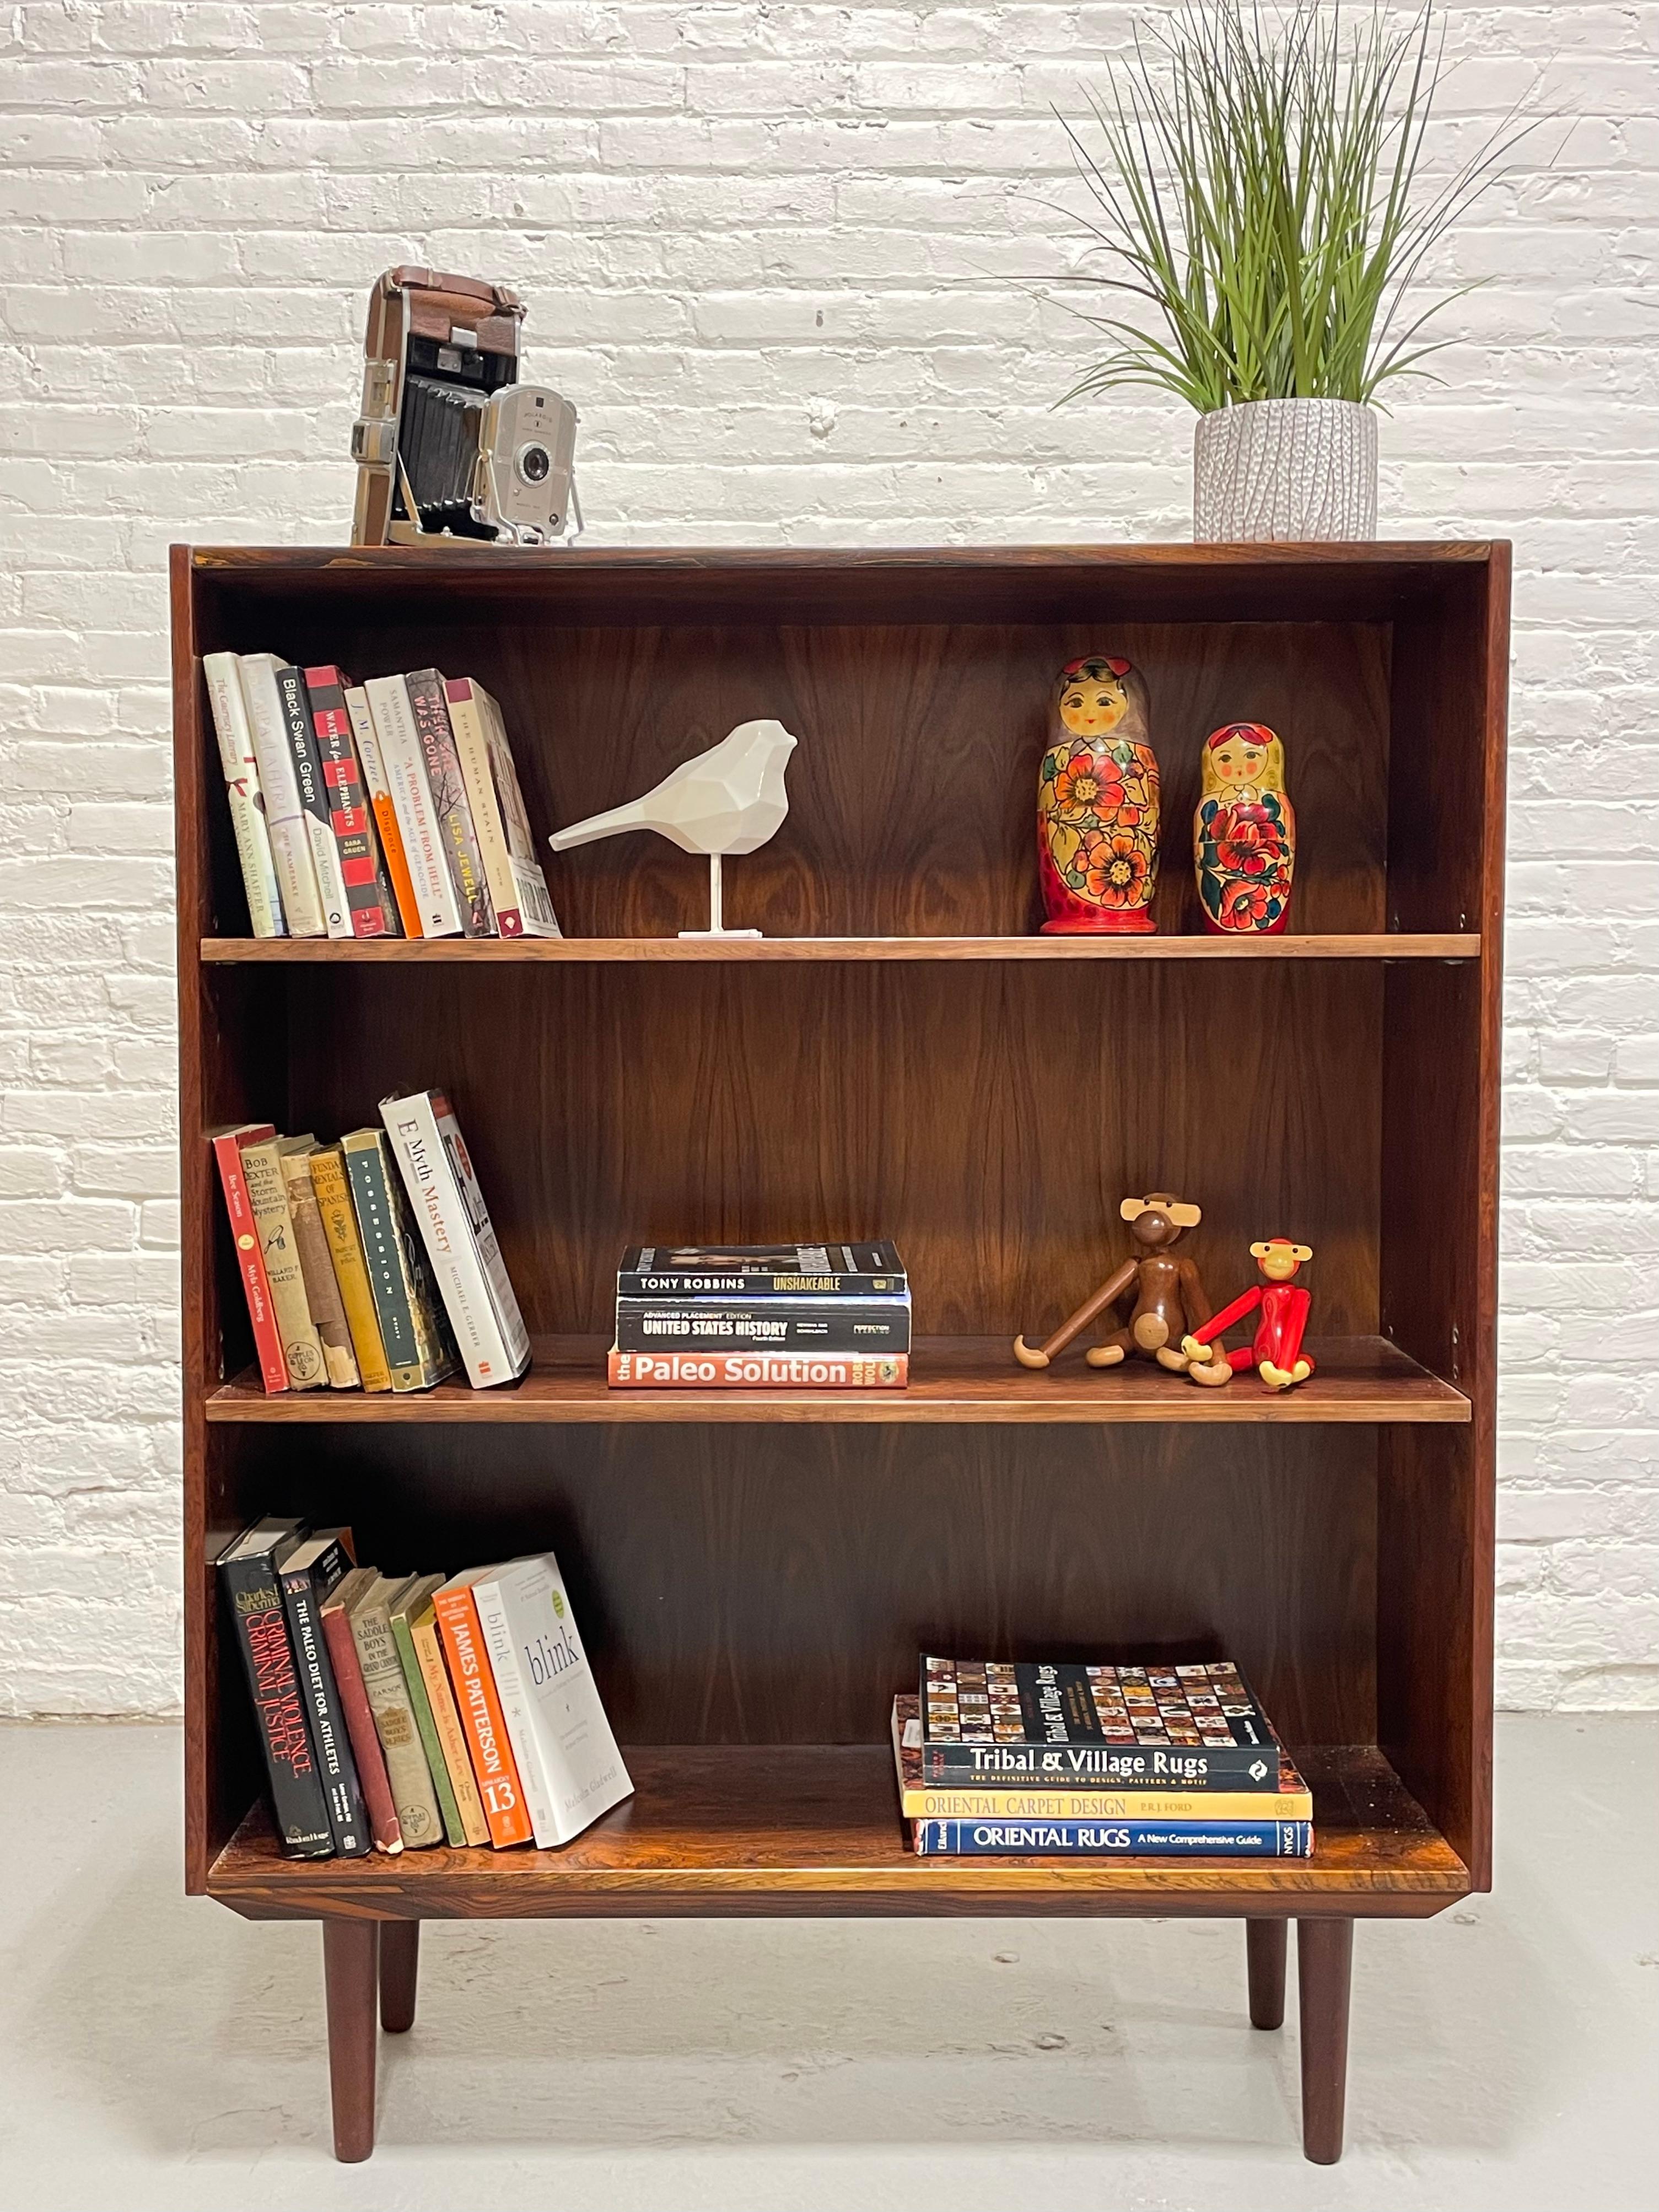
[{"x": 449, "y": 441}]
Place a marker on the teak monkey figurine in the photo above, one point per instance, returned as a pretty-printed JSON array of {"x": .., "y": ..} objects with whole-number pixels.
[
  {"x": 1244, "y": 833},
  {"x": 1276, "y": 1353},
  {"x": 1169, "y": 1296}
]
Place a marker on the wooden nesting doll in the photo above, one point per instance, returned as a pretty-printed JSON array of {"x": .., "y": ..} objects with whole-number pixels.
[
  {"x": 1244, "y": 833},
  {"x": 1098, "y": 802}
]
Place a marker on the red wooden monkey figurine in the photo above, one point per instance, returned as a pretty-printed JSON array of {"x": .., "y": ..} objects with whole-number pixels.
[
  {"x": 1169, "y": 1296},
  {"x": 1276, "y": 1353}
]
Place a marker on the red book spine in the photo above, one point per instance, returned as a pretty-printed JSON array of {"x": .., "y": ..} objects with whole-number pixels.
[
  {"x": 757, "y": 1370},
  {"x": 267, "y": 1337},
  {"x": 349, "y": 812},
  {"x": 383, "y": 1823}
]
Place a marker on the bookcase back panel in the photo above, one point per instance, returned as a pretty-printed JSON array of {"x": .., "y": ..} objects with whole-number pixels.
[
  {"x": 776, "y": 1586},
  {"x": 988, "y": 1119}
]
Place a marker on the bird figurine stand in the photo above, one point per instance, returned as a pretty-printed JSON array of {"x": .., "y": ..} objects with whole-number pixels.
[{"x": 729, "y": 799}]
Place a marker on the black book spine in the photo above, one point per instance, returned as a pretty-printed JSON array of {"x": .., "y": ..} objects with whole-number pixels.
[
  {"x": 763, "y": 1325},
  {"x": 1092, "y": 1766},
  {"x": 633, "y": 1283},
  {"x": 304, "y": 1594},
  {"x": 255, "y": 1600}
]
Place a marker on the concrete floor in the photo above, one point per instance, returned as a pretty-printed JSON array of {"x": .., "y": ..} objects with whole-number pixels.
[{"x": 157, "y": 2052}]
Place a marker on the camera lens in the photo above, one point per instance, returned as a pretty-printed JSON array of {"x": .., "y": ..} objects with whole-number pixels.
[{"x": 534, "y": 465}]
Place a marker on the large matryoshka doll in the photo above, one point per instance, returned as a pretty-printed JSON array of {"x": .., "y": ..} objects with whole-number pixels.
[
  {"x": 1244, "y": 833},
  {"x": 1098, "y": 802}
]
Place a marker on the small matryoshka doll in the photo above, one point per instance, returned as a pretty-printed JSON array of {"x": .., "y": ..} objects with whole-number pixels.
[
  {"x": 1098, "y": 801},
  {"x": 1245, "y": 832}
]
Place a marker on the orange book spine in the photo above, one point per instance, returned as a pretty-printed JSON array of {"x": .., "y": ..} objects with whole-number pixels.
[
  {"x": 386, "y": 818},
  {"x": 481, "y": 1717}
]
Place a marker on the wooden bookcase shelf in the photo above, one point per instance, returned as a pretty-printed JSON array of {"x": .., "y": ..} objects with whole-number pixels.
[{"x": 755, "y": 1575}]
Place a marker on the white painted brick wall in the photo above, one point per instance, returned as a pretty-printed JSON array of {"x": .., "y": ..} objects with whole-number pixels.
[{"x": 791, "y": 263}]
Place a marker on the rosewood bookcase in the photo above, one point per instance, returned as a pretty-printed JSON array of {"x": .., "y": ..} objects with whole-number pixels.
[{"x": 899, "y": 1056}]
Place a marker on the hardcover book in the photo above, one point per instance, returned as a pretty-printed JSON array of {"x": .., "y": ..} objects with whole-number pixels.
[
  {"x": 1064, "y": 1724},
  {"x": 309, "y": 1575},
  {"x": 918, "y": 1799},
  {"x": 302, "y": 1347},
  {"x": 446, "y": 1720},
  {"x": 360, "y": 1719},
  {"x": 248, "y": 1572},
  {"x": 323, "y": 1298},
  {"x": 568, "y": 1763},
  {"x": 755, "y": 1370},
  {"x": 1114, "y": 1838},
  {"x": 866, "y": 1325},
  {"x": 412, "y": 1326},
  {"x": 370, "y": 906},
  {"x": 487, "y": 1743},
  {"x": 453, "y": 817},
  {"x": 228, "y": 1146},
  {"x": 286, "y": 821},
  {"x": 345, "y": 1250},
  {"x": 761, "y": 1271},
  {"x": 379, "y": 790},
  {"x": 313, "y": 798},
  {"x": 247, "y": 809},
  {"x": 404, "y": 762},
  {"x": 461, "y": 1245},
  {"x": 518, "y": 889},
  {"x": 406, "y": 1601},
  {"x": 410, "y": 1778}
]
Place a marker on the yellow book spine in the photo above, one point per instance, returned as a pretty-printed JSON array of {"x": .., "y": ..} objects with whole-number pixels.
[
  {"x": 452, "y": 1740},
  {"x": 934, "y": 1804},
  {"x": 328, "y": 1180}
]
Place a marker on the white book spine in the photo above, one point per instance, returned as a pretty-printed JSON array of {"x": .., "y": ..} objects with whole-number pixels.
[
  {"x": 466, "y": 721},
  {"x": 405, "y": 766},
  {"x": 286, "y": 820},
  {"x": 466, "y": 1258},
  {"x": 510, "y": 1688},
  {"x": 535, "y": 901},
  {"x": 241, "y": 773}
]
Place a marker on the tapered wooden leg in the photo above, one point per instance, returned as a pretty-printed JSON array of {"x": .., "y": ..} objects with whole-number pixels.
[
  {"x": 1324, "y": 1959},
  {"x": 400, "y": 1959},
  {"x": 1264, "y": 1956},
  {"x": 351, "y": 1955}
]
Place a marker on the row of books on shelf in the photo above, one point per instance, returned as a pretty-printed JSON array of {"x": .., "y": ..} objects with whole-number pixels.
[
  {"x": 403, "y": 1711},
  {"x": 371, "y": 1263},
  {"x": 387, "y": 809}
]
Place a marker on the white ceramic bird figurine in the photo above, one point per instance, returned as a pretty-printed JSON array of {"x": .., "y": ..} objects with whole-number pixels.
[{"x": 729, "y": 799}]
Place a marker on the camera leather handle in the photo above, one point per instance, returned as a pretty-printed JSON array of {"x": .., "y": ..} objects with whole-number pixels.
[{"x": 428, "y": 303}]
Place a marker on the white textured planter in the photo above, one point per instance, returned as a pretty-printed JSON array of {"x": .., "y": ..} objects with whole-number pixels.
[{"x": 1285, "y": 469}]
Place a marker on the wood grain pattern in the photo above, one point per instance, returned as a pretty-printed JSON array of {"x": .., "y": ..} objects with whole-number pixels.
[
  {"x": 351, "y": 1949},
  {"x": 1264, "y": 1948},
  {"x": 607, "y": 952},
  {"x": 955, "y": 1380},
  {"x": 1324, "y": 1962},
  {"x": 816, "y": 1830}
]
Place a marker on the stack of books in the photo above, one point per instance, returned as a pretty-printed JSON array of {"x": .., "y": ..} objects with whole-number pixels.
[
  {"x": 1063, "y": 1759},
  {"x": 390, "y": 809},
  {"x": 760, "y": 1316},
  {"x": 398, "y": 1711},
  {"x": 341, "y": 1293}
]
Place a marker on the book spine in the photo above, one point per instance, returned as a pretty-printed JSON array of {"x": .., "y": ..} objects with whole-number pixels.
[
  {"x": 515, "y": 1703},
  {"x": 456, "y": 834},
  {"x": 360, "y": 1726},
  {"x": 323, "y": 1298},
  {"x": 394, "y": 1722},
  {"x": 302, "y": 1347},
  {"x": 460, "y": 1243},
  {"x": 414, "y": 1354},
  {"x": 1241, "y": 1766},
  {"x": 285, "y": 818},
  {"x": 367, "y": 740},
  {"x": 250, "y": 1259},
  {"x": 534, "y": 900},
  {"x": 420, "y": 1705},
  {"x": 345, "y": 1251},
  {"x": 1220, "y": 1839},
  {"x": 768, "y": 1325},
  {"x": 404, "y": 762},
  {"x": 466, "y": 725},
  {"x": 261, "y": 1629},
  {"x": 487, "y": 1740},
  {"x": 342, "y": 1790},
  {"x": 636, "y": 1283},
  {"x": 369, "y": 903},
  {"x": 451, "y": 1737},
  {"x": 755, "y": 1370},
  {"x": 247, "y": 812},
  {"x": 314, "y": 800},
  {"x": 921, "y": 1803}
]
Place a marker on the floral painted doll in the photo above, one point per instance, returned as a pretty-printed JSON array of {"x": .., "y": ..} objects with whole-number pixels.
[
  {"x": 1098, "y": 801},
  {"x": 1245, "y": 832}
]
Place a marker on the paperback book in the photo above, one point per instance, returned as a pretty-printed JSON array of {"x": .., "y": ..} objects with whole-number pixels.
[
  {"x": 762, "y": 1271},
  {"x": 1114, "y": 1838},
  {"x": 867, "y": 1325},
  {"x": 756, "y": 1371}
]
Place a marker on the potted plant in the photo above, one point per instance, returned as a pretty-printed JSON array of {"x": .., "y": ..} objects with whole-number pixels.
[{"x": 1257, "y": 182}]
